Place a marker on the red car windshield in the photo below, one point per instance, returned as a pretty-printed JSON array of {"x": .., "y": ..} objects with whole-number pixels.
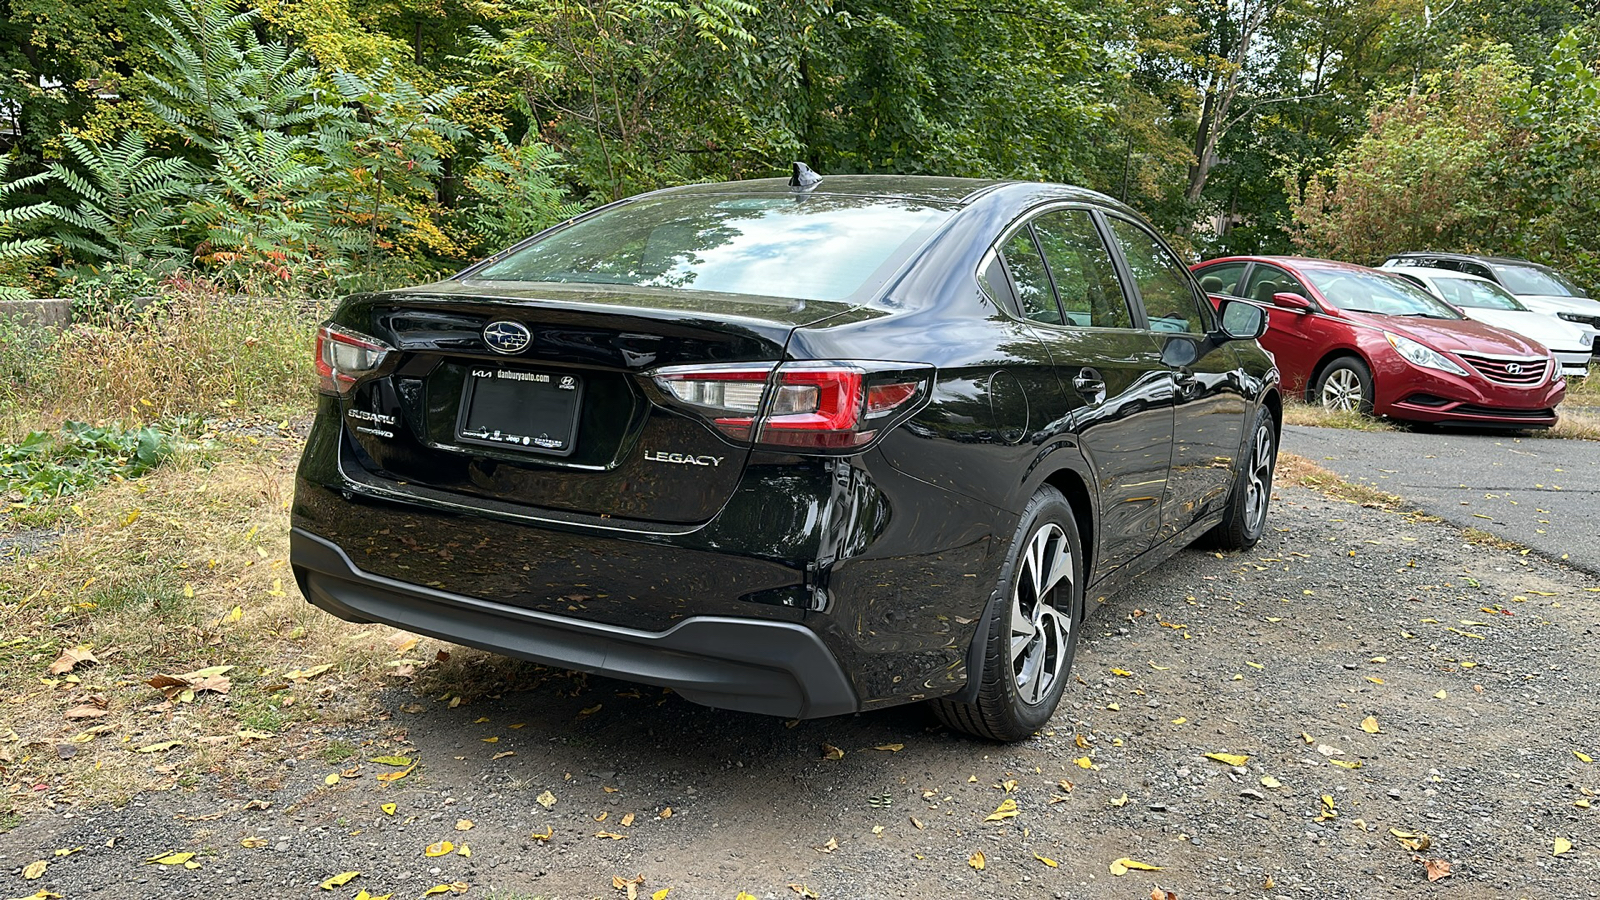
[{"x": 1372, "y": 292}]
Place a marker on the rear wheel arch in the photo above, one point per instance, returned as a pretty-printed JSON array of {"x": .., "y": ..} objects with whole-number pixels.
[{"x": 1072, "y": 486}]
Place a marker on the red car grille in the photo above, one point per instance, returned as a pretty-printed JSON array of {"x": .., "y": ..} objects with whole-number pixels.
[{"x": 1527, "y": 371}]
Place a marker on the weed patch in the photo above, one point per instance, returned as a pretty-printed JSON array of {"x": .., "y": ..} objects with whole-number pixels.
[{"x": 79, "y": 456}]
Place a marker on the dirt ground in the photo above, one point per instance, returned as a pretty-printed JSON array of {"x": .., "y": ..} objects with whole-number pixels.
[{"x": 1379, "y": 675}]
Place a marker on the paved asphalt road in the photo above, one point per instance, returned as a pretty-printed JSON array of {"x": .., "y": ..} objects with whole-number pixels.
[{"x": 1538, "y": 492}]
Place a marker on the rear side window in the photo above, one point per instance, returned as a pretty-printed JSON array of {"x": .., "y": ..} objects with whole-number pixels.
[
  {"x": 803, "y": 247},
  {"x": 1163, "y": 281},
  {"x": 1034, "y": 296},
  {"x": 1085, "y": 279},
  {"x": 1222, "y": 279}
]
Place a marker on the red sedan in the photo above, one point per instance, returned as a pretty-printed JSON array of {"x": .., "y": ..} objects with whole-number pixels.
[{"x": 1352, "y": 338}]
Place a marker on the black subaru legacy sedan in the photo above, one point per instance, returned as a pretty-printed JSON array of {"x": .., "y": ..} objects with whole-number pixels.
[{"x": 790, "y": 447}]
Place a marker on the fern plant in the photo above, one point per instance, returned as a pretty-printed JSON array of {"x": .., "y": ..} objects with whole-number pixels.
[
  {"x": 128, "y": 204},
  {"x": 223, "y": 83},
  {"x": 264, "y": 211},
  {"x": 515, "y": 192},
  {"x": 16, "y": 251}
]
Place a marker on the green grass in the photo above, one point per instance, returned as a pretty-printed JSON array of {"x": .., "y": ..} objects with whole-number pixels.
[{"x": 337, "y": 752}]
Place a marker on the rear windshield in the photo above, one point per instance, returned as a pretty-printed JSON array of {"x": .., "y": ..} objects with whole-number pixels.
[
  {"x": 1537, "y": 281},
  {"x": 804, "y": 247},
  {"x": 1371, "y": 292}
]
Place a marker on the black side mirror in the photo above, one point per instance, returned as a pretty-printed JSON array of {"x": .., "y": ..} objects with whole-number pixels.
[{"x": 1242, "y": 321}]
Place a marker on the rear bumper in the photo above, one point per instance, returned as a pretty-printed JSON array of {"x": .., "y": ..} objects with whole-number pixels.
[{"x": 770, "y": 667}]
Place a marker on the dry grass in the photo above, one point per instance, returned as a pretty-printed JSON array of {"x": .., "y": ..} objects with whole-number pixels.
[
  {"x": 180, "y": 570},
  {"x": 1296, "y": 412},
  {"x": 1294, "y": 469},
  {"x": 1584, "y": 391},
  {"x": 1575, "y": 426},
  {"x": 194, "y": 353}
]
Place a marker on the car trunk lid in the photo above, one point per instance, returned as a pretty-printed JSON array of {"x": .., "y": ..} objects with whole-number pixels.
[{"x": 566, "y": 421}]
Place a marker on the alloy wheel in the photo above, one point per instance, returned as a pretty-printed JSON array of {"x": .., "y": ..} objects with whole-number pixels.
[
  {"x": 1040, "y": 631},
  {"x": 1258, "y": 485},
  {"x": 1342, "y": 391}
]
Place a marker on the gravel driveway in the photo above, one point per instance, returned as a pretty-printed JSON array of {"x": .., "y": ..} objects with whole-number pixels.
[
  {"x": 1537, "y": 492},
  {"x": 1378, "y": 674}
]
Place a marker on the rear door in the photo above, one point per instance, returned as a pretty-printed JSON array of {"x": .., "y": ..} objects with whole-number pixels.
[
  {"x": 1112, "y": 389},
  {"x": 1209, "y": 405},
  {"x": 562, "y": 417}
]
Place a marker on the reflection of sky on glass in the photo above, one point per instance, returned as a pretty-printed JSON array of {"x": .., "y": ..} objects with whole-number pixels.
[{"x": 816, "y": 248}]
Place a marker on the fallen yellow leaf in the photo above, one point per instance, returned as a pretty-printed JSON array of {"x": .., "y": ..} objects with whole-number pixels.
[
  {"x": 34, "y": 869},
  {"x": 1583, "y": 756},
  {"x": 892, "y": 748},
  {"x": 1370, "y": 725},
  {"x": 1124, "y": 865},
  {"x": 463, "y": 824},
  {"x": 339, "y": 880},
  {"x": 660, "y": 895},
  {"x": 388, "y": 809},
  {"x": 546, "y": 799},
  {"x": 1231, "y": 759},
  {"x": 1046, "y": 860},
  {"x": 976, "y": 860},
  {"x": 1562, "y": 845},
  {"x": 331, "y": 780},
  {"x": 1267, "y": 781},
  {"x": 1006, "y": 810},
  {"x": 1084, "y": 762},
  {"x": 397, "y": 761},
  {"x": 442, "y": 848},
  {"x": 829, "y": 751}
]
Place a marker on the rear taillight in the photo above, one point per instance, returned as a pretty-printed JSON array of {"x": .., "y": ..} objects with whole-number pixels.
[
  {"x": 344, "y": 357},
  {"x": 799, "y": 406}
]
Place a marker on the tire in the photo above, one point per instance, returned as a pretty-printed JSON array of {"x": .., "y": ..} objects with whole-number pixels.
[
  {"x": 1345, "y": 385},
  {"x": 1246, "y": 517},
  {"x": 1031, "y": 639}
]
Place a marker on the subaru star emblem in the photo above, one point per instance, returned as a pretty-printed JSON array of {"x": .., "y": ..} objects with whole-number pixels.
[{"x": 507, "y": 337}]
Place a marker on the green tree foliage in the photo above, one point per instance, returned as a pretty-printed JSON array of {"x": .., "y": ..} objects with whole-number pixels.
[
  {"x": 384, "y": 165},
  {"x": 331, "y": 144},
  {"x": 125, "y": 206},
  {"x": 515, "y": 193},
  {"x": 1487, "y": 157},
  {"x": 18, "y": 250}
]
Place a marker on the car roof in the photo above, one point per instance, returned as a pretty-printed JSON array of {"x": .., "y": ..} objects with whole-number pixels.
[
  {"x": 1438, "y": 273},
  {"x": 1473, "y": 257},
  {"x": 911, "y": 187},
  {"x": 929, "y": 188},
  {"x": 1291, "y": 262}
]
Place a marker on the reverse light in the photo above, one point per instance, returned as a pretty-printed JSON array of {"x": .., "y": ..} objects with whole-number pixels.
[
  {"x": 1420, "y": 355},
  {"x": 805, "y": 407},
  {"x": 344, "y": 357}
]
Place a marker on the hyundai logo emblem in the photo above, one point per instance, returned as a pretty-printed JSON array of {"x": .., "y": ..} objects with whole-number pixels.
[
  {"x": 1513, "y": 368},
  {"x": 507, "y": 337}
]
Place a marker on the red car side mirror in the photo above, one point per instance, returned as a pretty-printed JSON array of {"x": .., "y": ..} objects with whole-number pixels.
[{"x": 1291, "y": 301}]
